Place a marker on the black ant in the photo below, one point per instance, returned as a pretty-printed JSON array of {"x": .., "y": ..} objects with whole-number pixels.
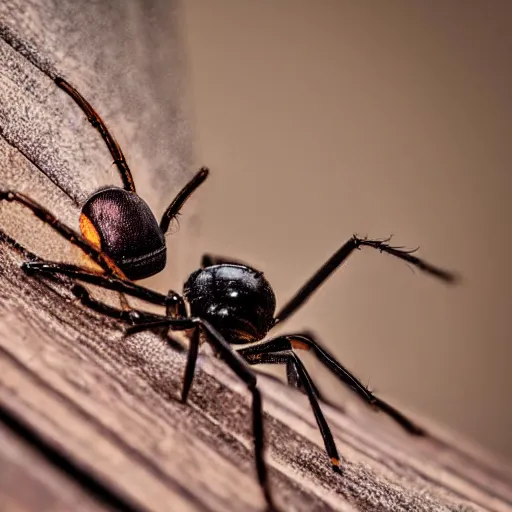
[{"x": 230, "y": 303}]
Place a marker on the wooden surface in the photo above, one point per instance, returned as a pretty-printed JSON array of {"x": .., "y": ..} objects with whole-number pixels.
[
  {"x": 89, "y": 419},
  {"x": 110, "y": 405}
]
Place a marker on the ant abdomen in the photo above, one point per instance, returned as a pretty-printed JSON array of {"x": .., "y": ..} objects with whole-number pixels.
[
  {"x": 237, "y": 300},
  {"x": 122, "y": 225}
]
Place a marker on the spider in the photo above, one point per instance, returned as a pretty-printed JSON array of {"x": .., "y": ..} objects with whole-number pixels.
[
  {"x": 233, "y": 304},
  {"x": 230, "y": 303}
]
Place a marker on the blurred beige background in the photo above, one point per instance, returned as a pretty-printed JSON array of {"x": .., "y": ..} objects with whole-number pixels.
[{"x": 321, "y": 119}]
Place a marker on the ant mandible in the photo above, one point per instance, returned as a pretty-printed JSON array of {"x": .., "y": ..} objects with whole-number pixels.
[{"x": 230, "y": 302}]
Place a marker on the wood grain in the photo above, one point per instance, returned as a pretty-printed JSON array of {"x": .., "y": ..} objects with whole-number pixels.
[
  {"x": 109, "y": 403},
  {"x": 29, "y": 482},
  {"x": 90, "y": 417}
]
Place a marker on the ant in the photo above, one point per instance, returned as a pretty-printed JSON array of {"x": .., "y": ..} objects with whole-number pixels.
[{"x": 230, "y": 303}]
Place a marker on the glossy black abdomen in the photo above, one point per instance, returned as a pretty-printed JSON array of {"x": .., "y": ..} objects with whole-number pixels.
[
  {"x": 127, "y": 230},
  {"x": 237, "y": 300}
]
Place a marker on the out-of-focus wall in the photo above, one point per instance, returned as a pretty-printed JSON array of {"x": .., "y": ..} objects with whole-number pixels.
[{"x": 321, "y": 119}]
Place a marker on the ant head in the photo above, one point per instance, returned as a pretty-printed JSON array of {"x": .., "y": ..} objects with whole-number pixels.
[
  {"x": 122, "y": 225},
  {"x": 237, "y": 300}
]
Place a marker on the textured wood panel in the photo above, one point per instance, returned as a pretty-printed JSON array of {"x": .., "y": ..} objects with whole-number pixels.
[
  {"x": 110, "y": 404},
  {"x": 30, "y": 482},
  {"x": 91, "y": 417}
]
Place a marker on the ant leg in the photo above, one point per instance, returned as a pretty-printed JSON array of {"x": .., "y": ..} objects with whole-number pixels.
[
  {"x": 99, "y": 257},
  {"x": 307, "y": 341},
  {"x": 341, "y": 255},
  {"x": 242, "y": 370},
  {"x": 173, "y": 302},
  {"x": 293, "y": 378},
  {"x": 174, "y": 208},
  {"x": 97, "y": 122},
  {"x": 302, "y": 380},
  {"x": 132, "y": 316},
  {"x": 190, "y": 369}
]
